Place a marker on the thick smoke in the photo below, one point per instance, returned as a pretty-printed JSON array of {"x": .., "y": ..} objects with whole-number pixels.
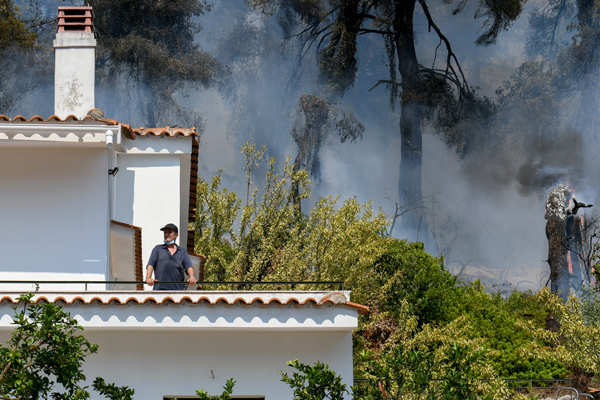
[{"x": 485, "y": 209}]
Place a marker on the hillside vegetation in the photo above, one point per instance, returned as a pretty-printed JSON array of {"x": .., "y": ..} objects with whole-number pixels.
[{"x": 426, "y": 334}]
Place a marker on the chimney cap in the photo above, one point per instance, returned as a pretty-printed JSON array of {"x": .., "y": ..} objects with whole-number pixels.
[
  {"x": 74, "y": 8},
  {"x": 75, "y": 19}
]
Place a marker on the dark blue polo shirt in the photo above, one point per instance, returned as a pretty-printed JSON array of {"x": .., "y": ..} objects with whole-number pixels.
[{"x": 169, "y": 268}]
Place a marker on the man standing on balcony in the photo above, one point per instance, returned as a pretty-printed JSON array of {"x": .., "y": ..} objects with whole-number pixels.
[{"x": 169, "y": 262}]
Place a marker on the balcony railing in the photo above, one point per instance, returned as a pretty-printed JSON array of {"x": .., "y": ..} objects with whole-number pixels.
[{"x": 201, "y": 285}]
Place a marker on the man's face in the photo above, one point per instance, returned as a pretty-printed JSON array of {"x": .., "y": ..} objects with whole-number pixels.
[{"x": 169, "y": 234}]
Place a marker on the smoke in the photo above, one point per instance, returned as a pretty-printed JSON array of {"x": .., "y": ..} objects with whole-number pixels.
[{"x": 485, "y": 209}]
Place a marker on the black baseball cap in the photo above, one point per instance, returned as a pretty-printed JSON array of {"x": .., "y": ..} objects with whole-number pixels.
[{"x": 172, "y": 227}]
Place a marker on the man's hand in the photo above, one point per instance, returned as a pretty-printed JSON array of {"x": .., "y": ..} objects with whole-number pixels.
[
  {"x": 191, "y": 281},
  {"x": 149, "y": 279}
]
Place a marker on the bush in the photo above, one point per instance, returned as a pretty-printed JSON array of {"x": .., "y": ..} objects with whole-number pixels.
[
  {"x": 405, "y": 272},
  {"x": 225, "y": 395},
  {"x": 427, "y": 362},
  {"x": 506, "y": 327},
  {"x": 314, "y": 382}
]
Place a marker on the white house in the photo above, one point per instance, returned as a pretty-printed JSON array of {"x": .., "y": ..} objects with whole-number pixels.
[{"x": 82, "y": 198}]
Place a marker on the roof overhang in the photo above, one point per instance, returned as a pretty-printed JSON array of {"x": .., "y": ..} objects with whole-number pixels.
[
  {"x": 60, "y": 134},
  {"x": 200, "y": 310}
]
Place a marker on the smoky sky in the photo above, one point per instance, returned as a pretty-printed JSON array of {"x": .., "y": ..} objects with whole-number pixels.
[{"x": 485, "y": 210}]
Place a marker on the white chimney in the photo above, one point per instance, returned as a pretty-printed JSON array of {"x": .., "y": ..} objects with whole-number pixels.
[{"x": 74, "y": 62}]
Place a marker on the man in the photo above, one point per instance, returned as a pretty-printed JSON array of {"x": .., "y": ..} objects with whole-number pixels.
[{"x": 168, "y": 261}]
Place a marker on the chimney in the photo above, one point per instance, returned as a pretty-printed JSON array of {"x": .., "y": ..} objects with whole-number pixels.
[{"x": 74, "y": 62}]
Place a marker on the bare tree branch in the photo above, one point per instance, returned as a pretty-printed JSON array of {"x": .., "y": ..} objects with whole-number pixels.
[{"x": 451, "y": 56}]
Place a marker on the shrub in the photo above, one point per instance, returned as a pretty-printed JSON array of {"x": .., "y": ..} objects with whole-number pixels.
[
  {"x": 225, "y": 395},
  {"x": 428, "y": 363},
  {"x": 314, "y": 382}
]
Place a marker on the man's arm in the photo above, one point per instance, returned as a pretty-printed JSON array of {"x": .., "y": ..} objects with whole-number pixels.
[
  {"x": 149, "y": 271},
  {"x": 150, "y": 267},
  {"x": 192, "y": 279},
  {"x": 187, "y": 263}
]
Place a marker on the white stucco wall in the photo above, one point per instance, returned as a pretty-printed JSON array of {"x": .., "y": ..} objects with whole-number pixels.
[
  {"x": 54, "y": 213},
  {"x": 148, "y": 195},
  {"x": 178, "y": 363},
  {"x": 156, "y": 364},
  {"x": 200, "y": 339}
]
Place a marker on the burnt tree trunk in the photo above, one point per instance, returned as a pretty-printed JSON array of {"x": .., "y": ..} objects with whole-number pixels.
[
  {"x": 411, "y": 117},
  {"x": 558, "y": 242},
  {"x": 557, "y": 256}
]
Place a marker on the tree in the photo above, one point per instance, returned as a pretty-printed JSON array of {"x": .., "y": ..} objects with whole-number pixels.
[
  {"x": 46, "y": 351},
  {"x": 336, "y": 26},
  {"x": 315, "y": 119},
  {"x": 153, "y": 42},
  {"x": 13, "y": 30},
  {"x": 19, "y": 40},
  {"x": 577, "y": 57},
  {"x": 267, "y": 239}
]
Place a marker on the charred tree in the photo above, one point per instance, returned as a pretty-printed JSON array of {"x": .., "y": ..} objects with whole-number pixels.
[
  {"x": 569, "y": 250},
  {"x": 336, "y": 26},
  {"x": 411, "y": 152},
  {"x": 315, "y": 119},
  {"x": 308, "y": 133},
  {"x": 556, "y": 229}
]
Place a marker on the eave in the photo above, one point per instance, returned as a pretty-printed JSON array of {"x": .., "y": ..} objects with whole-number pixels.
[
  {"x": 95, "y": 135},
  {"x": 200, "y": 310}
]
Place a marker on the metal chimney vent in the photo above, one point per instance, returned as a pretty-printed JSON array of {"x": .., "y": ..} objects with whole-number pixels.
[{"x": 75, "y": 19}]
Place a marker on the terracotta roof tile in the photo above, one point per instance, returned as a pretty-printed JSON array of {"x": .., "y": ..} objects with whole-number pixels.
[
  {"x": 56, "y": 118},
  {"x": 166, "y": 131},
  {"x": 97, "y": 115},
  {"x": 334, "y": 298}
]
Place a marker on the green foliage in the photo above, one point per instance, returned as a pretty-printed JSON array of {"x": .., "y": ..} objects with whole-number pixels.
[
  {"x": 227, "y": 390},
  {"x": 153, "y": 41},
  {"x": 156, "y": 38},
  {"x": 427, "y": 362},
  {"x": 13, "y": 31},
  {"x": 575, "y": 343},
  {"x": 314, "y": 382},
  {"x": 505, "y": 327},
  {"x": 112, "y": 391},
  {"x": 46, "y": 350},
  {"x": 590, "y": 305},
  {"x": 267, "y": 239},
  {"x": 405, "y": 272}
]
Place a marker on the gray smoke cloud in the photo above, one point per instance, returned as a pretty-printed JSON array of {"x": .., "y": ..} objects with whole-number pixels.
[{"x": 485, "y": 210}]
